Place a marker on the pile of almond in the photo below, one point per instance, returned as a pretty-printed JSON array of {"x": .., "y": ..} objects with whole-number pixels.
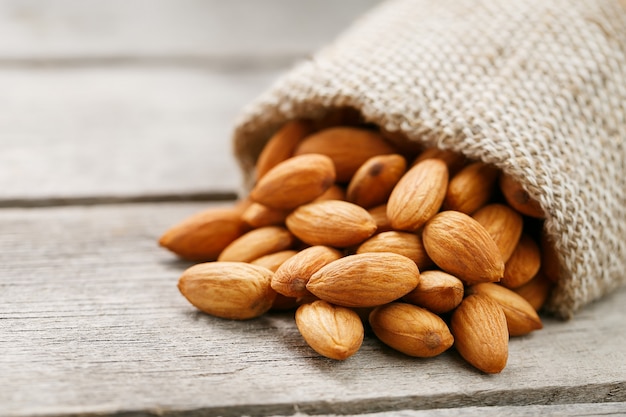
[{"x": 351, "y": 229}]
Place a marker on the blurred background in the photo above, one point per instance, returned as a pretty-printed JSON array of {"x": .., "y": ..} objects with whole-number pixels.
[{"x": 131, "y": 100}]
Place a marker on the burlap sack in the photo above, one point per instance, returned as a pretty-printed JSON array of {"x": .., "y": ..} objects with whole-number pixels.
[{"x": 536, "y": 87}]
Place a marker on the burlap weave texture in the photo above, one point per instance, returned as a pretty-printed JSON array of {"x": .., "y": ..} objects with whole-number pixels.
[{"x": 535, "y": 87}]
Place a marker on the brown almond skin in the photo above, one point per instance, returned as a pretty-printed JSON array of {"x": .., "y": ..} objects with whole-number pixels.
[
  {"x": 418, "y": 195},
  {"x": 332, "y": 331},
  {"x": 521, "y": 317},
  {"x": 461, "y": 246},
  {"x": 480, "y": 333},
  {"x": 348, "y": 147},
  {"x": 471, "y": 188},
  {"x": 454, "y": 160},
  {"x": 437, "y": 291},
  {"x": 203, "y": 236},
  {"x": 524, "y": 263},
  {"x": 281, "y": 145},
  {"x": 231, "y": 290},
  {"x": 257, "y": 215},
  {"x": 292, "y": 276},
  {"x": 274, "y": 260},
  {"x": 334, "y": 192},
  {"x": 504, "y": 224},
  {"x": 374, "y": 180},
  {"x": 536, "y": 291},
  {"x": 257, "y": 243},
  {"x": 411, "y": 330},
  {"x": 549, "y": 259},
  {"x": 518, "y": 198},
  {"x": 295, "y": 181},
  {"x": 402, "y": 243},
  {"x": 379, "y": 214},
  {"x": 365, "y": 280},
  {"x": 331, "y": 223}
]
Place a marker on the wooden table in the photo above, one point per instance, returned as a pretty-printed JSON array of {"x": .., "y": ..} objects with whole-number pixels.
[{"x": 115, "y": 122}]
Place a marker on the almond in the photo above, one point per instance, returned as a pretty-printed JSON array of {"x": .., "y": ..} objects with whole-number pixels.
[
  {"x": 372, "y": 183},
  {"x": 232, "y": 290},
  {"x": 518, "y": 197},
  {"x": 281, "y": 145},
  {"x": 504, "y": 225},
  {"x": 402, "y": 243},
  {"x": 480, "y": 333},
  {"x": 334, "y": 192},
  {"x": 418, "y": 195},
  {"x": 523, "y": 264},
  {"x": 292, "y": 276},
  {"x": 365, "y": 280},
  {"x": 348, "y": 147},
  {"x": 257, "y": 243},
  {"x": 471, "y": 188},
  {"x": 379, "y": 214},
  {"x": 461, "y": 246},
  {"x": 453, "y": 160},
  {"x": 257, "y": 215},
  {"x": 331, "y": 223},
  {"x": 203, "y": 236},
  {"x": 521, "y": 317},
  {"x": 536, "y": 291},
  {"x": 332, "y": 331},
  {"x": 411, "y": 330},
  {"x": 549, "y": 259},
  {"x": 274, "y": 260},
  {"x": 437, "y": 291},
  {"x": 295, "y": 181}
]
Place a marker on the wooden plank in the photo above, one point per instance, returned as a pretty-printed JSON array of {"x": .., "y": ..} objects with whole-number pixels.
[
  {"x": 91, "y": 322},
  {"x": 81, "y": 133},
  {"x": 83, "y": 30}
]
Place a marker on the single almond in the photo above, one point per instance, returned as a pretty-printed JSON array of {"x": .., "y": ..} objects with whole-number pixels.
[
  {"x": 292, "y": 276},
  {"x": 379, "y": 214},
  {"x": 550, "y": 264},
  {"x": 257, "y": 215},
  {"x": 295, "y": 181},
  {"x": 521, "y": 317},
  {"x": 232, "y": 290},
  {"x": 480, "y": 333},
  {"x": 365, "y": 280},
  {"x": 518, "y": 197},
  {"x": 257, "y": 243},
  {"x": 454, "y": 161},
  {"x": 471, "y": 188},
  {"x": 203, "y": 236},
  {"x": 274, "y": 260},
  {"x": 418, "y": 195},
  {"x": 437, "y": 291},
  {"x": 411, "y": 330},
  {"x": 334, "y": 192},
  {"x": 348, "y": 147},
  {"x": 536, "y": 291},
  {"x": 281, "y": 145},
  {"x": 523, "y": 264},
  {"x": 504, "y": 225},
  {"x": 374, "y": 180},
  {"x": 332, "y": 331},
  {"x": 461, "y": 246},
  {"x": 402, "y": 243},
  {"x": 331, "y": 223}
]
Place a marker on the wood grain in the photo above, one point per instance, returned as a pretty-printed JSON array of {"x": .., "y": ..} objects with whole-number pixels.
[
  {"x": 91, "y": 322},
  {"x": 72, "y": 32}
]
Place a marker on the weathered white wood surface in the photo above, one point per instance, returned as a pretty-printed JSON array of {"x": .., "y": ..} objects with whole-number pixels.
[
  {"x": 91, "y": 322},
  {"x": 131, "y": 100}
]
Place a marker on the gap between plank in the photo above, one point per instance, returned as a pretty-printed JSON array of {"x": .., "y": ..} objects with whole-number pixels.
[{"x": 109, "y": 200}]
